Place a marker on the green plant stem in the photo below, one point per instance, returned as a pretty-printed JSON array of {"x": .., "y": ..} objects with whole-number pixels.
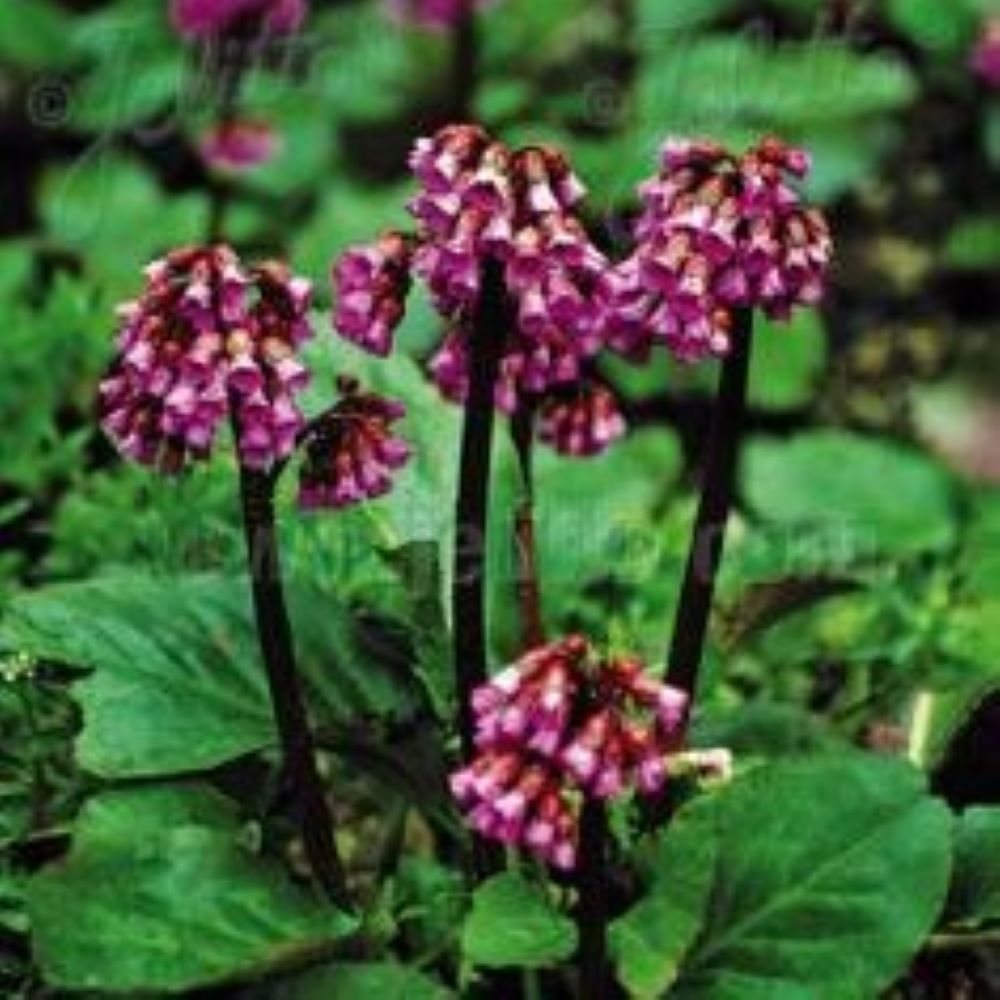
[
  {"x": 592, "y": 908},
  {"x": 307, "y": 793},
  {"x": 527, "y": 584},
  {"x": 708, "y": 536}
]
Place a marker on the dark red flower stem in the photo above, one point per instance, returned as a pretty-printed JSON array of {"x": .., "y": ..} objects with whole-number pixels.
[
  {"x": 708, "y": 536},
  {"x": 464, "y": 65},
  {"x": 527, "y": 583},
  {"x": 307, "y": 793},
  {"x": 592, "y": 906},
  {"x": 487, "y": 331}
]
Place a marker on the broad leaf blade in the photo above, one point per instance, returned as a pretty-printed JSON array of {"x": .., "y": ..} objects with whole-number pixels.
[
  {"x": 650, "y": 940},
  {"x": 158, "y": 894},
  {"x": 177, "y": 682},
  {"x": 829, "y": 873},
  {"x": 513, "y": 923}
]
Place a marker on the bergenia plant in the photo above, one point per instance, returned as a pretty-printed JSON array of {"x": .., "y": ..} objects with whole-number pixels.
[
  {"x": 512, "y": 271},
  {"x": 210, "y": 345},
  {"x": 719, "y": 236},
  {"x": 568, "y": 734}
]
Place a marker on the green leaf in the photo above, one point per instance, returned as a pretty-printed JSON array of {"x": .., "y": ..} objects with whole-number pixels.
[
  {"x": 371, "y": 69},
  {"x": 514, "y": 923},
  {"x": 940, "y": 27},
  {"x": 787, "y": 362},
  {"x": 829, "y": 873},
  {"x": 341, "y": 981},
  {"x": 763, "y": 728},
  {"x": 973, "y": 244},
  {"x": 880, "y": 498},
  {"x": 743, "y": 82},
  {"x": 974, "y": 898},
  {"x": 177, "y": 682},
  {"x": 33, "y": 35},
  {"x": 158, "y": 893},
  {"x": 90, "y": 208},
  {"x": 649, "y": 942}
]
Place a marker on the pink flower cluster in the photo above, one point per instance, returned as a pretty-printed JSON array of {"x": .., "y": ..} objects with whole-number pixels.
[
  {"x": 581, "y": 420},
  {"x": 238, "y": 145},
  {"x": 207, "y": 19},
  {"x": 351, "y": 451},
  {"x": 373, "y": 282},
  {"x": 985, "y": 58},
  {"x": 208, "y": 339},
  {"x": 716, "y": 232},
  {"x": 556, "y": 726},
  {"x": 435, "y": 14},
  {"x": 481, "y": 201}
]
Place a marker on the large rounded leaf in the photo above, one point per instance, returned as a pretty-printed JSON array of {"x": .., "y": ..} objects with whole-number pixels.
[
  {"x": 871, "y": 497},
  {"x": 177, "y": 683},
  {"x": 828, "y": 874},
  {"x": 159, "y": 894}
]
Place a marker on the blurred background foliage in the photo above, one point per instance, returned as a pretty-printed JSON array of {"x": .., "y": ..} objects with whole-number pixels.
[{"x": 861, "y": 594}]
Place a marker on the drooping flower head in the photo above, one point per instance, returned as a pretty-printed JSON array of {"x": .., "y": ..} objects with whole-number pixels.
[
  {"x": 559, "y": 725},
  {"x": 238, "y": 145},
  {"x": 433, "y": 14},
  {"x": 373, "y": 282},
  {"x": 208, "y": 19},
  {"x": 206, "y": 340},
  {"x": 481, "y": 201},
  {"x": 581, "y": 420},
  {"x": 985, "y": 58},
  {"x": 351, "y": 450},
  {"x": 716, "y": 232}
]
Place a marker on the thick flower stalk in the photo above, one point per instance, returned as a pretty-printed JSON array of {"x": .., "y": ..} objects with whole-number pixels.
[
  {"x": 212, "y": 341},
  {"x": 208, "y": 337},
  {"x": 719, "y": 236},
  {"x": 351, "y": 450},
  {"x": 480, "y": 201},
  {"x": 558, "y": 728},
  {"x": 717, "y": 232},
  {"x": 210, "y": 19}
]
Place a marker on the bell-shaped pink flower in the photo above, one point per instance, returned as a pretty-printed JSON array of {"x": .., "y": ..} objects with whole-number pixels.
[
  {"x": 581, "y": 420},
  {"x": 480, "y": 201},
  {"x": 556, "y": 726},
  {"x": 208, "y": 341},
  {"x": 238, "y": 146},
  {"x": 716, "y": 232},
  {"x": 352, "y": 452}
]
